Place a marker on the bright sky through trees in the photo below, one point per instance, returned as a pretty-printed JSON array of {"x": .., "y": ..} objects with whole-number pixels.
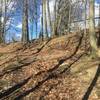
[{"x": 16, "y": 27}]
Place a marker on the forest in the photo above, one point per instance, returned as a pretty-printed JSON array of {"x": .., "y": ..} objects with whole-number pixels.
[{"x": 49, "y": 49}]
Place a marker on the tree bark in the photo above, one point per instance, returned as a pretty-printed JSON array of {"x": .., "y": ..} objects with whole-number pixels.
[
  {"x": 54, "y": 34},
  {"x": 1, "y": 35},
  {"x": 92, "y": 34},
  {"x": 45, "y": 19},
  {"x": 49, "y": 16},
  {"x": 25, "y": 31}
]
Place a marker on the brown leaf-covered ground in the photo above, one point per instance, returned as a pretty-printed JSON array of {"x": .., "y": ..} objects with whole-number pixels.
[{"x": 56, "y": 69}]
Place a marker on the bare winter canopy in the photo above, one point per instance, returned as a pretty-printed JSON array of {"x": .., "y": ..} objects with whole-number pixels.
[{"x": 49, "y": 18}]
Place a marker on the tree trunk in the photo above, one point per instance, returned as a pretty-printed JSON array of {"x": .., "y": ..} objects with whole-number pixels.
[
  {"x": 3, "y": 22},
  {"x": 49, "y": 15},
  {"x": 69, "y": 19},
  {"x": 25, "y": 32},
  {"x": 92, "y": 35},
  {"x": 99, "y": 28},
  {"x": 41, "y": 35},
  {"x": 55, "y": 20},
  {"x": 99, "y": 16},
  {"x": 45, "y": 19},
  {"x": 35, "y": 4},
  {"x": 1, "y": 35},
  {"x": 5, "y": 19}
]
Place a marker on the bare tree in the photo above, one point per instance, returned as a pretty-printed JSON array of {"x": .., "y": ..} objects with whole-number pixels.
[
  {"x": 25, "y": 31},
  {"x": 1, "y": 34},
  {"x": 45, "y": 18},
  {"x": 49, "y": 16},
  {"x": 55, "y": 20},
  {"x": 92, "y": 34},
  {"x": 7, "y": 9}
]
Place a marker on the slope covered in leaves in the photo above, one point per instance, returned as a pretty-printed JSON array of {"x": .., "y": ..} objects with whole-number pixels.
[{"x": 56, "y": 69}]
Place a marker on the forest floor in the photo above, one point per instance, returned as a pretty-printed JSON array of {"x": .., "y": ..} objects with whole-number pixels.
[{"x": 57, "y": 69}]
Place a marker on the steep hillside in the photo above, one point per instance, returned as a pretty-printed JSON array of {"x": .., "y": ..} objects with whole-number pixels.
[{"x": 56, "y": 69}]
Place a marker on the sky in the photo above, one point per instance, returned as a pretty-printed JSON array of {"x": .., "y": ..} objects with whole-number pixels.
[
  {"x": 98, "y": 1},
  {"x": 16, "y": 29}
]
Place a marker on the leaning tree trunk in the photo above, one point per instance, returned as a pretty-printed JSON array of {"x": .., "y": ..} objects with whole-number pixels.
[
  {"x": 25, "y": 32},
  {"x": 92, "y": 34}
]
